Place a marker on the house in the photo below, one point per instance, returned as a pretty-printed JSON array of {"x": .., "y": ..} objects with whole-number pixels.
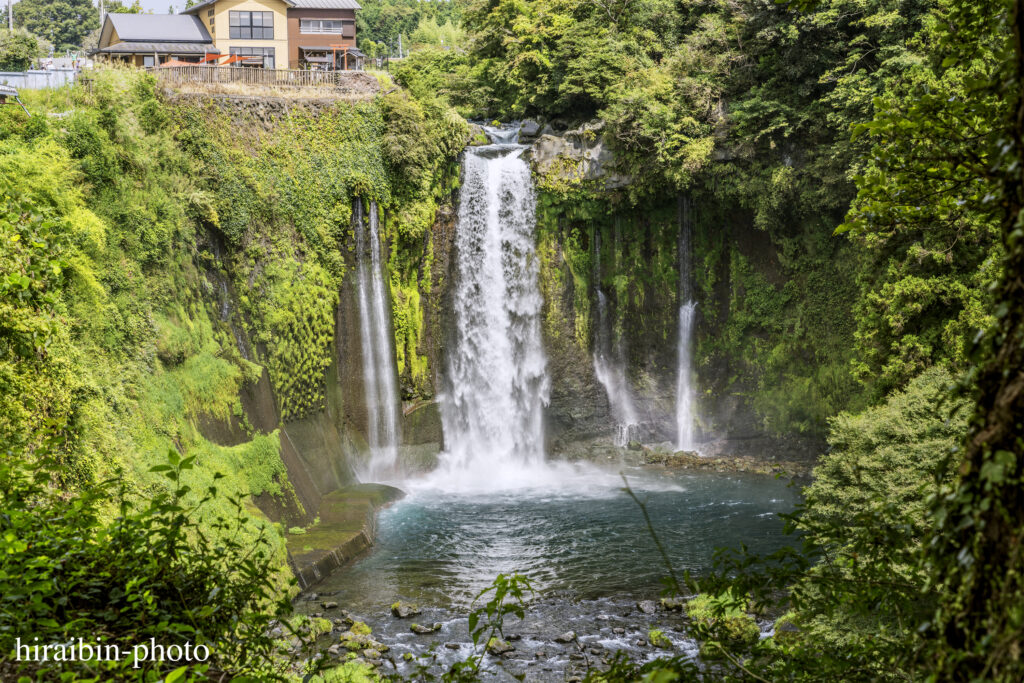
[
  {"x": 152, "y": 39},
  {"x": 282, "y": 34}
]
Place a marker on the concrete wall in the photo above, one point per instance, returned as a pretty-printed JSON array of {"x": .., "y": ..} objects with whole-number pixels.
[{"x": 38, "y": 80}]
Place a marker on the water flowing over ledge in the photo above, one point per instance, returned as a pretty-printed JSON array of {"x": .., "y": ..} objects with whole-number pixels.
[
  {"x": 375, "y": 335},
  {"x": 497, "y": 382}
]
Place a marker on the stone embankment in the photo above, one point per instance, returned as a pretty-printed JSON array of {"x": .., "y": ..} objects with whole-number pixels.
[
  {"x": 691, "y": 460},
  {"x": 345, "y": 529}
]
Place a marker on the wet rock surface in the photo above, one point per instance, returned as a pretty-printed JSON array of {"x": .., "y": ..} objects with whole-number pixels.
[
  {"x": 691, "y": 460},
  {"x": 559, "y": 639}
]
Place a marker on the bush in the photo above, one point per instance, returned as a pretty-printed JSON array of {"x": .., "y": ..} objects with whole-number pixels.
[
  {"x": 720, "y": 622},
  {"x": 18, "y": 49},
  {"x": 150, "y": 571}
]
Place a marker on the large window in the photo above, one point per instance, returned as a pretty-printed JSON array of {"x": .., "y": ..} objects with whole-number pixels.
[
  {"x": 267, "y": 53},
  {"x": 331, "y": 26},
  {"x": 252, "y": 25}
]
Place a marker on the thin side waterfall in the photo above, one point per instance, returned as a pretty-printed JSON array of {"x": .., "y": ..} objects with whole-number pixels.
[
  {"x": 497, "y": 383},
  {"x": 608, "y": 366},
  {"x": 685, "y": 399},
  {"x": 375, "y": 337}
]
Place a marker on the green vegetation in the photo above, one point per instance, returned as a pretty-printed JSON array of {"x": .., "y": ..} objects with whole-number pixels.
[
  {"x": 420, "y": 24},
  {"x": 64, "y": 23},
  {"x": 149, "y": 573},
  {"x": 18, "y": 50},
  {"x": 158, "y": 262}
]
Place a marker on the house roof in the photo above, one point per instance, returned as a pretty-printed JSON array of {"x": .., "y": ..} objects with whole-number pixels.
[
  {"x": 297, "y": 4},
  {"x": 326, "y": 4},
  {"x": 153, "y": 28},
  {"x": 139, "y": 47},
  {"x": 194, "y": 9}
]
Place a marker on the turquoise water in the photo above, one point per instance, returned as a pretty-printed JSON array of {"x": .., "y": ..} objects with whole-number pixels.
[
  {"x": 590, "y": 541},
  {"x": 581, "y": 540}
]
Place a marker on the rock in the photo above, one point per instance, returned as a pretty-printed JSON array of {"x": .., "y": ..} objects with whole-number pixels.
[
  {"x": 513, "y": 636},
  {"x": 312, "y": 597},
  {"x": 370, "y": 654},
  {"x": 658, "y": 638},
  {"x": 634, "y": 446},
  {"x": 422, "y": 630},
  {"x": 576, "y": 155},
  {"x": 317, "y": 615},
  {"x": 576, "y": 657},
  {"x": 452, "y": 646},
  {"x": 477, "y": 136},
  {"x": 334, "y": 650},
  {"x": 529, "y": 130},
  {"x": 647, "y": 606},
  {"x": 672, "y": 604},
  {"x": 540, "y": 654},
  {"x": 497, "y": 646},
  {"x": 329, "y": 604},
  {"x": 403, "y": 611},
  {"x": 408, "y": 656},
  {"x": 567, "y": 637},
  {"x": 619, "y": 631},
  {"x": 641, "y": 642}
]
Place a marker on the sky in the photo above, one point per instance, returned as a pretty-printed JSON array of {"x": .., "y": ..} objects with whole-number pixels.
[{"x": 154, "y": 6}]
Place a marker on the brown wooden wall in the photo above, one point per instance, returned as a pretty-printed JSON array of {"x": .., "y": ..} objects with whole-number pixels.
[{"x": 295, "y": 39}]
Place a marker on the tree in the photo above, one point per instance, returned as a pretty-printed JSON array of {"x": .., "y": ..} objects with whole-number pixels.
[
  {"x": 65, "y": 23},
  {"x": 978, "y": 551},
  {"x": 18, "y": 49},
  {"x": 118, "y": 7}
]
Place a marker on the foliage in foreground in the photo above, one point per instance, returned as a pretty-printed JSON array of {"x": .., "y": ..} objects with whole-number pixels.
[{"x": 150, "y": 574}]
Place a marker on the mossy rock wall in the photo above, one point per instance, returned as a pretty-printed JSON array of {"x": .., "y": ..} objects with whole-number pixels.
[{"x": 774, "y": 309}]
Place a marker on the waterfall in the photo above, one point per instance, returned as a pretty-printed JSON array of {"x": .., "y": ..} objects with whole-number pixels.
[
  {"x": 380, "y": 385},
  {"x": 685, "y": 399},
  {"x": 497, "y": 383},
  {"x": 608, "y": 366}
]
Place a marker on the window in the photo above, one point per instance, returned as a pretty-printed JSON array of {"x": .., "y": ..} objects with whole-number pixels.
[
  {"x": 331, "y": 26},
  {"x": 252, "y": 25},
  {"x": 147, "y": 60},
  {"x": 267, "y": 53}
]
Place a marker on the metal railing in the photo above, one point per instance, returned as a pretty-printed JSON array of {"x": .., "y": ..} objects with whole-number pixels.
[{"x": 201, "y": 73}]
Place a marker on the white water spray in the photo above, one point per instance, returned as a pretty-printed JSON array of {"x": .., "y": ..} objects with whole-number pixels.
[
  {"x": 497, "y": 383},
  {"x": 379, "y": 380},
  {"x": 685, "y": 399},
  {"x": 608, "y": 366}
]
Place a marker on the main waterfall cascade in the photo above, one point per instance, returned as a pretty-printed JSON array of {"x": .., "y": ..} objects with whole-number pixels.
[
  {"x": 496, "y": 382},
  {"x": 685, "y": 399},
  {"x": 608, "y": 366},
  {"x": 380, "y": 384}
]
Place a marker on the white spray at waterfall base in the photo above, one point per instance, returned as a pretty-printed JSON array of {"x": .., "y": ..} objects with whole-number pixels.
[{"x": 611, "y": 374}]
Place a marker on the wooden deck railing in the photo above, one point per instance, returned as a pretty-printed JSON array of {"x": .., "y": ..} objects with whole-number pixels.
[{"x": 182, "y": 75}]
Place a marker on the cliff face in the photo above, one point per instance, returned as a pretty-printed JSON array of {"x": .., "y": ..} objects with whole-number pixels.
[{"x": 773, "y": 306}]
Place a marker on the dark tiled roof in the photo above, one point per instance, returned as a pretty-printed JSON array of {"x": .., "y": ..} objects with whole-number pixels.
[
  {"x": 163, "y": 28},
  {"x": 326, "y": 4},
  {"x": 139, "y": 47}
]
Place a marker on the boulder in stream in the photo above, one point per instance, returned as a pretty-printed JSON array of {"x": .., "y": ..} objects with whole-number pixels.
[
  {"x": 647, "y": 606},
  {"x": 497, "y": 646},
  {"x": 402, "y": 611},
  {"x": 423, "y": 630},
  {"x": 567, "y": 637}
]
